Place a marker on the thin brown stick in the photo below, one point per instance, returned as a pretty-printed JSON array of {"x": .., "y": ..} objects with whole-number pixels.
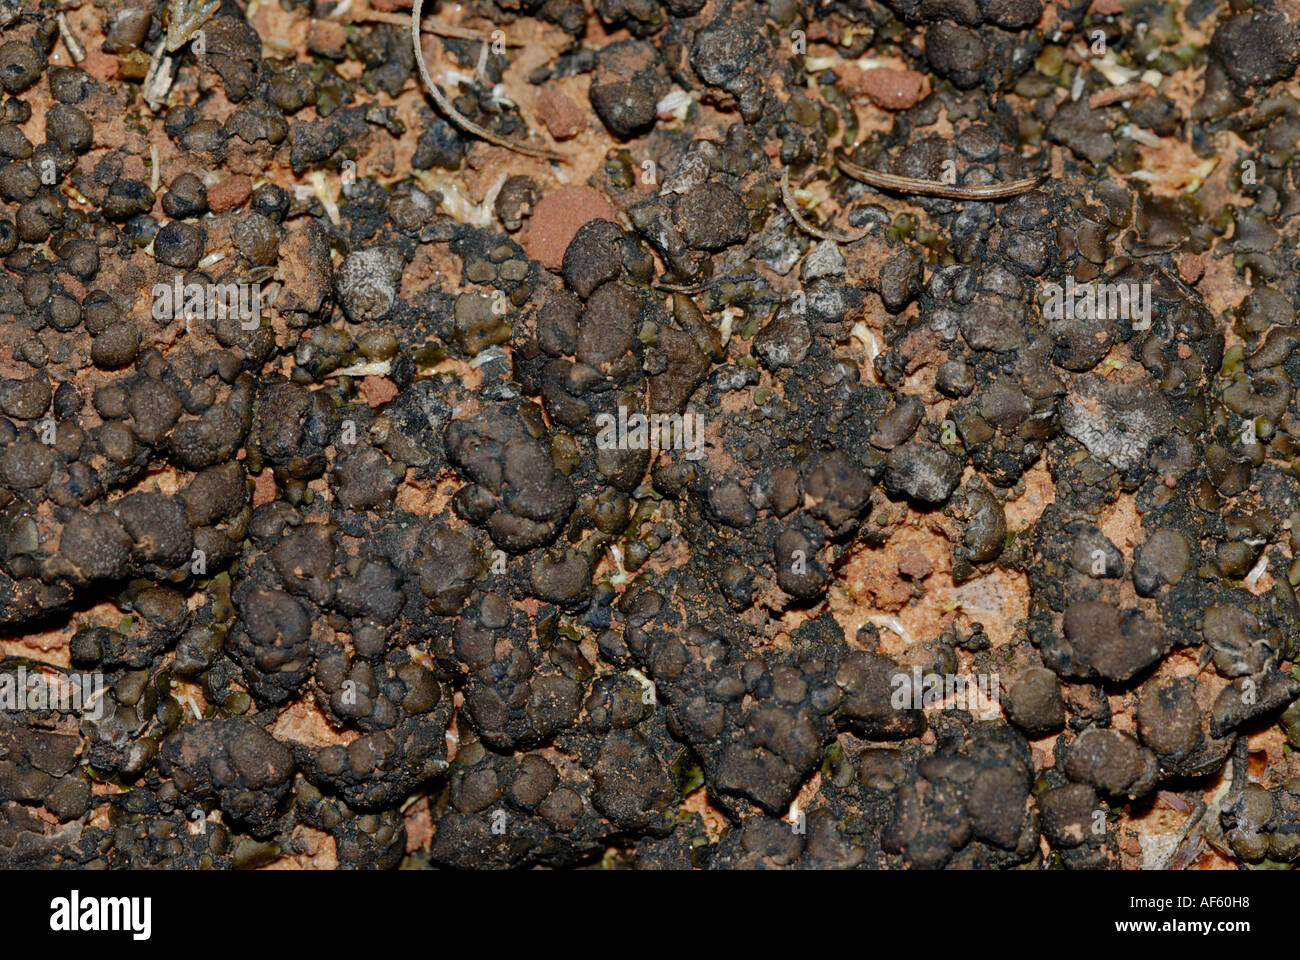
[
  {"x": 431, "y": 25},
  {"x": 693, "y": 288},
  {"x": 70, "y": 40},
  {"x": 935, "y": 188},
  {"x": 456, "y": 117},
  {"x": 152, "y": 89},
  {"x": 807, "y": 227},
  {"x": 1191, "y": 841},
  {"x": 1130, "y": 91}
]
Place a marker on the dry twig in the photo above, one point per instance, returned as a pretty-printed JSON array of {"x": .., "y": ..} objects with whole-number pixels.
[
  {"x": 1130, "y": 91},
  {"x": 456, "y": 117},
  {"x": 75, "y": 49},
  {"x": 807, "y": 227},
  {"x": 936, "y": 188}
]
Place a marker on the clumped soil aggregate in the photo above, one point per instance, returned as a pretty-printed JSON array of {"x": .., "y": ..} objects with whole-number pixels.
[{"x": 368, "y": 590}]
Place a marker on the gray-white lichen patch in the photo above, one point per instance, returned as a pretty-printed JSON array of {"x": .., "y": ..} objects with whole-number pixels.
[
  {"x": 1116, "y": 422},
  {"x": 367, "y": 282}
]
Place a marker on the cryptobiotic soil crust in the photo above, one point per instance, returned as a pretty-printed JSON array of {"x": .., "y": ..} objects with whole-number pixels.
[{"x": 683, "y": 434}]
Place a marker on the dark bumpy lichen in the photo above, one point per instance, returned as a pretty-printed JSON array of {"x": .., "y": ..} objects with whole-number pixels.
[{"x": 369, "y": 583}]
